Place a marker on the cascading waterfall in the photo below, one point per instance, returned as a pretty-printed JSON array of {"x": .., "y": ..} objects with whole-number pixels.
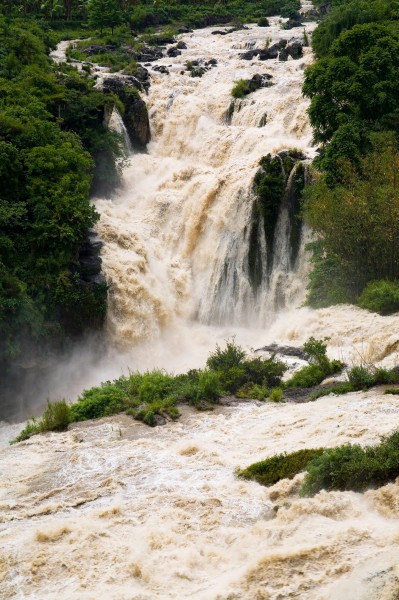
[
  {"x": 116, "y": 124},
  {"x": 178, "y": 235}
]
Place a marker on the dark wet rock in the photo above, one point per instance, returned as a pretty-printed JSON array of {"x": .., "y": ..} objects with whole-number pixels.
[
  {"x": 249, "y": 54},
  {"x": 135, "y": 116},
  {"x": 285, "y": 351},
  {"x": 159, "y": 420},
  {"x": 173, "y": 52},
  {"x": 142, "y": 74},
  {"x": 292, "y": 23},
  {"x": 218, "y": 32},
  {"x": 269, "y": 53},
  {"x": 261, "y": 80},
  {"x": 295, "y": 48},
  {"x": 162, "y": 40},
  {"x": 147, "y": 54},
  {"x": 263, "y": 121},
  {"x": 211, "y": 62},
  {"x": 98, "y": 49},
  {"x": 184, "y": 29},
  {"x": 301, "y": 395},
  {"x": 161, "y": 69},
  {"x": 284, "y": 55},
  {"x": 181, "y": 46}
]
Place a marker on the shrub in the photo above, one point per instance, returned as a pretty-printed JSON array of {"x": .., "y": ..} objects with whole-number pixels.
[
  {"x": 360, "y": 378},
  {"x": 320, "y": 368},
  {"x": 281, "y": 466},
  {"x": 56, "y": 417},
  {"x": 97, "y": 402},
  {"x": 306, "y": 377},
  {"x": 276, "y": 395},
  {"x": 223, "y": 359},
  {"x": 252, "y": 391},
  {"x": 381, "y": 297},
  {"x": 341, "y": 388},
  {"x": 241, "y": 89},
  {"x": 263, "y": 22},
  {"x": 353, "y": 467}
]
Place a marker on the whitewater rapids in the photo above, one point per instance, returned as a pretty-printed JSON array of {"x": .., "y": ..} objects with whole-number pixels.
[{"x": 115, "y": 510}]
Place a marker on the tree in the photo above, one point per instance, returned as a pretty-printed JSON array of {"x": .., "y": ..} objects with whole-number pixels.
[
  {"x": 358, "y": 221},
  {"x": 105, "y": 13}
]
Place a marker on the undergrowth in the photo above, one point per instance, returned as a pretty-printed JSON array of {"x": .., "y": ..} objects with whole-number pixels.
[{"x": 281, "y": 466}]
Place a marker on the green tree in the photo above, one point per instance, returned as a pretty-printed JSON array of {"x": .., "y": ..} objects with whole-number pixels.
[
  {"x": 358, "y": 220},
  {"x": 105, "y": 13}
]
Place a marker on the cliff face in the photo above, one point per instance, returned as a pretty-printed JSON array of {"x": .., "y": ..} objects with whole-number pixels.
[{"x": 135, "y": 115}]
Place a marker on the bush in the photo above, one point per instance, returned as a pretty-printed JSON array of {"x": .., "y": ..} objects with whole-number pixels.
[
  {"x": 281, "y": 466},
  {"x": 360, "y": 378},
  {"x": 106, "y": 400},
  {"x": 263, "y": 22},
  {"x": 56, "y": 417},
  {"x": 276, "y": 395},
  {"x": 231, "y": 356},
  {"x": 241, "y": 89},
  {"x": 320, "y": 368},
  {"x": 353, "y": 467},
  {"x": 381, "y": 297}
]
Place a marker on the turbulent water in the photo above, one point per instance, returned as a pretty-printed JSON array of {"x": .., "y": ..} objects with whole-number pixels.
[
  {"x": 177, "y": 235},
  {"x": 113, "y": 509}
]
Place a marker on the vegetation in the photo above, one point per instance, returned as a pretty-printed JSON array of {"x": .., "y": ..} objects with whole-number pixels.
[
  {"x": 353, "y": 202},
  {"x": 352, "y": 467},
  {"x": 381, "y": 297},
  {"x": 319, "y": 368},
  {"x": 280, "y": 466},
  {"x": 141, "y": 15},
  {"x": 348, "y": 467},
  {"x": 157, "y": 394},
  {"x": 52, "y": 140}
]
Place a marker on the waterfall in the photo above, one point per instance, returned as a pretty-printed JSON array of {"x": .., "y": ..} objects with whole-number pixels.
[
  {"x": 181, "y": 234},
  {"x": 116, "y": 124}
]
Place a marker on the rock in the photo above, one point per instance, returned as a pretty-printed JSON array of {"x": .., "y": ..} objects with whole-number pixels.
[
  {"x": 173, "y": 52},
  {"x": 162, "y": 40},
  {"x": 98, "y": 49},
  {"x": 218, "y": 32},
  {"x": 263, "y": 121},
  {"x": 292, "y": 23},
  {"x": 261, "y": 81},
  {"x": 285, "y": 351},
  {"x": 181, "y": 46},
  {"x": 142, "y": 74},
  {"x": 249, "y": 54},
  {"x": 295, "y": 48},
  {"x": 211, "y": 62},
  {"x": 135, "y": 116},
  {"x": 284, "y": 54},
  {"x": 161, "y": 69},
  {"x": 184, "y": 29},
  {"x": 147, "y": 54},
  {"x": 269, "y": 53}
]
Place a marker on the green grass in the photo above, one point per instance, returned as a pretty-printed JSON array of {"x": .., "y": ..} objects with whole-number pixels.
[{"x": 281, "y": 466}]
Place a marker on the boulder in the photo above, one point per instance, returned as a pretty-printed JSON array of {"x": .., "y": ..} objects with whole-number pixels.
[
  {"x": 269, "y": 53},
  {"x": 295, "y": 48},
  {"x": 292, "y": 23},
  {"x": 284, "y": 54},
  {"x": 212, "y": 62},
  {"x": 173, "y": 52},
  {"x": 184, "y": 29},
  {"x": 161, "y": 69},
  {"x": 181, "y": 46}
]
